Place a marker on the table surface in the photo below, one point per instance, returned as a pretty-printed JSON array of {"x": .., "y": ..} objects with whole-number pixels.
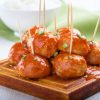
[{"x": 9, "y": 94}]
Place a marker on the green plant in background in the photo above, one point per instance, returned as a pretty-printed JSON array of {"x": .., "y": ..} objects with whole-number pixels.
[
  {"x": 82, "y": 19},
  {"x": 7, "y": 33}
]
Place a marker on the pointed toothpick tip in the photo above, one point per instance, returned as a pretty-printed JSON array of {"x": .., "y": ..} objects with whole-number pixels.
[
  {"x": 55, "y": 24},
  {"x": 19, "y": 31},
  {"x": 30, "y": 39},
  {"x": 71, "y": 25},
  {"x": 96, "y": 28},
  {"x": 39, "y": 13},
  {"x": 44, "y": 14}
]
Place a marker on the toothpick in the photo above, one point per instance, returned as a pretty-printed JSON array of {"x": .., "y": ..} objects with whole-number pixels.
[
  {"x": 19, "y": 31},
  {"x": 40, "y": 13},
  {"x": 68, "y": 16},
  {"x": 30, "y": 37},
  {"x": 55, "y": 25},
  {"x": 44, "y": 15},
  {"x": 71, "y": 27},
  {"x": 96, "y": 28}
]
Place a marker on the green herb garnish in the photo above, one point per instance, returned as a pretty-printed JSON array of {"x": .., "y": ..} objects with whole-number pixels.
[
  {"x": 94, "y": 66},
  {"x": 37, "y": 31},
  {"x": 25, "y": 46},
  {"x": 55, "y": 54},
  {"x": 70, "y": 57},
  {"x": 59, "y": 70},
  {"x": 23, "y": 57},
  {"x": 41, "y": 32},
  {"x": 65, "y": 45},
  {"x": 56, "y": 34}
]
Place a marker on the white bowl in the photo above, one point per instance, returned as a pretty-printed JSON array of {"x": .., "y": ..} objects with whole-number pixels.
[{"x": 25, "y": 19}]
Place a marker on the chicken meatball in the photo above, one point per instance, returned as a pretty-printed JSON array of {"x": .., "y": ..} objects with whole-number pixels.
[
  {"x": 93, "y": 57},
  {"x": 66, "y": 31},
  {"x": 45, "y": 44},
  {"x": 33, "y": 66},
  {"x": 25, "y": 36},
  {"x": 16, "y": 52},
  {"x": 79, "y": 44},
  {"x": 69, "y": 66},
  {"x": 33, "y": 32}
]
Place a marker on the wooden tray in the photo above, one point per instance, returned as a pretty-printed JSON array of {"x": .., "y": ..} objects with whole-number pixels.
[{"x": 50, "y": 88}]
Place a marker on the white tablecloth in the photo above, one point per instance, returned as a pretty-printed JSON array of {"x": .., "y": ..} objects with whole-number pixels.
[{"x": 9, "y": 94}]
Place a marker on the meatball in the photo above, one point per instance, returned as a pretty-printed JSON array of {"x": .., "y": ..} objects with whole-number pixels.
[
  {"x": 26, "y": 34},
  {"x": 33, "y": 66},
  {"x": 33, "y": 32},
  {"x": 93, "y": 57},
  {"x": 45, "y": 44},
  {"x": 16, "y": 52},
  {"x": 66, "y": 31},
  {"x": 69, "y": 66},
  {"x": 79, "y": 44}
]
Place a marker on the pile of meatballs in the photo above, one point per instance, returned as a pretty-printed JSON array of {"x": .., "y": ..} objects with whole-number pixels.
[{"x": 43, "y": 53}]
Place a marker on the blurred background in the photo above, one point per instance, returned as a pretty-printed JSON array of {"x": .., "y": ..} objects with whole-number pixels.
[{"x": 20, "y": 15}]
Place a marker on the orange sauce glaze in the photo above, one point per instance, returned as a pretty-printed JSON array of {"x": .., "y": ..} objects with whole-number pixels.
[
  {"x": 16, "y": 52},
  {"x": 93, "y": 72},
  {"x": 34, "y": 66}
]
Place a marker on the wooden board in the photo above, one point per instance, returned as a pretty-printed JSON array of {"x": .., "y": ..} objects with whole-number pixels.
[{"x": 49, "y": 88}]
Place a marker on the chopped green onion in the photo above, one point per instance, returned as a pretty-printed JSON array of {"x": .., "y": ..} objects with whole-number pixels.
[
  {"x": 55, "y": 54},
  {"x": 41, "y": 32},
  {"x": 70, "y": 57},
  {"x": 37, "y": 31},
  {"x": 56, "y": 34},
  {"x": 65, "y": 45},
  {"x": 25, "y": 46},
  {"x": 94, "y": 66},
  {"x": 23, "y": 57},
  {"x": 59, "y": 70}
]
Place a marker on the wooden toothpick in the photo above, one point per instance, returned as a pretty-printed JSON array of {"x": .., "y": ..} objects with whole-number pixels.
[
  {"x": 68, "y": 16},
  {"x": 30, "y": 41},
  {"x": 44, "y": 15},
  {"x": 71, "y": 27},
  {"x": 96, "y": 28},
  {"x": 55, "y": 24},
  {"x": 40, "y": 13},
  {"x": 19, "y": 31}
]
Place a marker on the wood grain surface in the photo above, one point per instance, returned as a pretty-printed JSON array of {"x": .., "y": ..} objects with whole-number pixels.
[{"x": 49, "y": 88}]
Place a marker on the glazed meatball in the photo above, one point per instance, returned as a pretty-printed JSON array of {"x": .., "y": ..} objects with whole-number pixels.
[
  {"x": 79, "y": 44},
  {"x": 66, "y": 31},
  {"x": 33, "y": 32},
  {"x": 16, "y": 52},
  {"x": 45, "y": 44},
  {"x": 33, "y": 66},
  {"x": 93, "y": 57},
  {"x": 69, "y": 66},
  {"x": 25, "y": 36}
]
